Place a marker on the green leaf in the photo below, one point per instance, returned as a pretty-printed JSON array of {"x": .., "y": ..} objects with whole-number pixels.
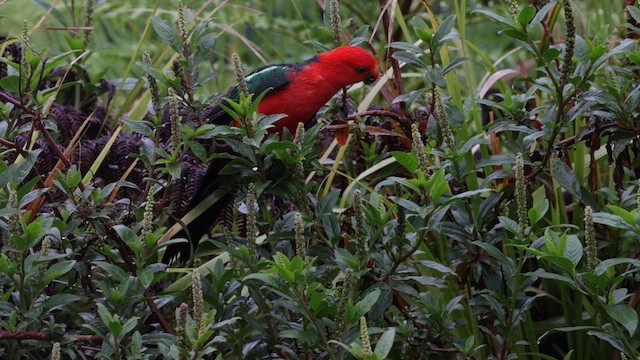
[
  {"x": 560, "y": 242},
  {"x": 427, "y": 280},
  {"x": 479, "y": 139},
  {"x": 409, "y": 58},
  {"x": 33, "y": 233},
  {"x": 114, "y": 271},
  {"x": 566, "y": 177},
  {"x": 359, "y": 36},
  {"x": 155, "y": 73},
  {"x": 198, "y": 150},
  {"x": 510, "y": 225},
  {"x": 601, "y": 37},
  {"x": 496, "y": 17},
  {"x": 136, "y": 343},
  {"x": 316, "y": 301},
  {"x": 168, "y": 33},
  {"x": 628, "y": 216},
  {"x": 602, "y": 267},
  {"x": 551, "y": 240},
  {"x": 129, "y": 326},
  {"x": 146, "y": 277},
  {"x": 147, "y": 148},
  {"x": 10, "y": 83},
  {"x": 551, "y": 54},
  {"x": 574, "y": 249},
  {"x": 470, "y": 193},
  {"x": 526, "y": 15},
  {"x": 634, "y": 11},
  {"x": 174, "y": 170},
  {"x": 566, "y": 329},
  {"x": 268, "y": 279},
  {"x": 408, "y": 160},
  {"x": 443, "y": 33},
  {"x": 438, "y": 267},
  {"x": 468, "y": 344},
  {"x": 435, "y": 75},
  {"x": 487, "y": 208},
  {"x": 277, "y": 145},
  {"x": 139, "y": 126},
  {"x": 205, "y": 44},
  {"x": 326, "y": 204},
  {"x": 357, "y": 351},
  {"x": 104, "y": 313},
  {"x": 493, "y": 251},
  {"x": 625, "y": 315},
  {"x": 115, "y": 326},
  {"x": 496, "y": 160},
  {"x": 596, "y": 280},
  {"x": 438, "y": 185},
  {"x": 581, "y": 50},
  {"x": 425, "y": 34},
  {"x": 17, "y": 172},
  {"x": 454, "y": 64},
  {"x": 305, "y": 336},
  {"x": 363, "y": 306},
  {"x": 59, "y": 300},
  {"x": 561, "y": 261},
  {"x": 538, "y": 211},
  {"x": 555, "y": 277},
  {"x": 385, "y": 343},
  {"x": 624, "y": 44},
  {"x": 541, "y": 15},
  {"x": 126, "y": 234},
  {"x": 58, "y": 269},
  {"x": 405, "y": 46},
  {"x": 611, "y": 339},
  {"x": 612, "y": 220}
]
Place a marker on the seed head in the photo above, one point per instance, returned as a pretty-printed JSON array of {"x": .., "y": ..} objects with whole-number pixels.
[
  {"x": 590, "y": 239},
  {"x": 364, "y": 336},
  {"x": 55, "y": 351},
  {"x": 418, "y": 147},
  {"x": 336, "y": 22},
  {"x": 521, "y": 194},
  {"x": 198, "y": 304},
  {"x": 237, "y": 67},
  {"x": 301, "y": 242},
  {"x": 88, "y": 20}
]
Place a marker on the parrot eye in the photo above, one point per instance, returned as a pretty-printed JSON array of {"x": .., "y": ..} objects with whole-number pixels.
[{"x": 361, "y": 69}]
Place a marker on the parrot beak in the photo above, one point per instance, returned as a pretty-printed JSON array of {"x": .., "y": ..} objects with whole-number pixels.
[{"x": 370, "y": 79}]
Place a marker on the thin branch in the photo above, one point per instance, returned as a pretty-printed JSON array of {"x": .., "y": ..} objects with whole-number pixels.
[
  {"x": 405, "y": 256},
  {"x": 384, "y": 113},
  {"x": 125, "y": 253},
  {"x": 38, "y": 125},
  {"x": 6, "y": 98},
  {"x": 44, "y": 336}
]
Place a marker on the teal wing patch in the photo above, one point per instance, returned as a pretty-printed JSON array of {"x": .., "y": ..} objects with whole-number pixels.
[
  {"x": 269, "y": 77},
  {"x": 272, "y": 76}
]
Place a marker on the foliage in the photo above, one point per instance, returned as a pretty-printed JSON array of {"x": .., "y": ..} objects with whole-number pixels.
[{"x": 470, "y": 204}]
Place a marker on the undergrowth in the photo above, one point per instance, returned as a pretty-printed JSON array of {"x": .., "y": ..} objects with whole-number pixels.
[{"x": 470, "y": 204}]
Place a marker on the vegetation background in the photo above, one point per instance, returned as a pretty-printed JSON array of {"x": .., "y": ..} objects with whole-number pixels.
[{"x": 479, "y": 201}]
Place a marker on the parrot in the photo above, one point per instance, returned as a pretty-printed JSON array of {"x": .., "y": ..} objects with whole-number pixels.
[{"x": 297, "y": 91}]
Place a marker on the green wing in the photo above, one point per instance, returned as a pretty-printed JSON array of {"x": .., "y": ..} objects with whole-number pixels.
[{"x": 269, "y": 77}]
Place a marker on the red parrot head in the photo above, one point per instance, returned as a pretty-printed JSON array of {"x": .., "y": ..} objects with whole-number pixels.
[{"x": 350, "y": 65}]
